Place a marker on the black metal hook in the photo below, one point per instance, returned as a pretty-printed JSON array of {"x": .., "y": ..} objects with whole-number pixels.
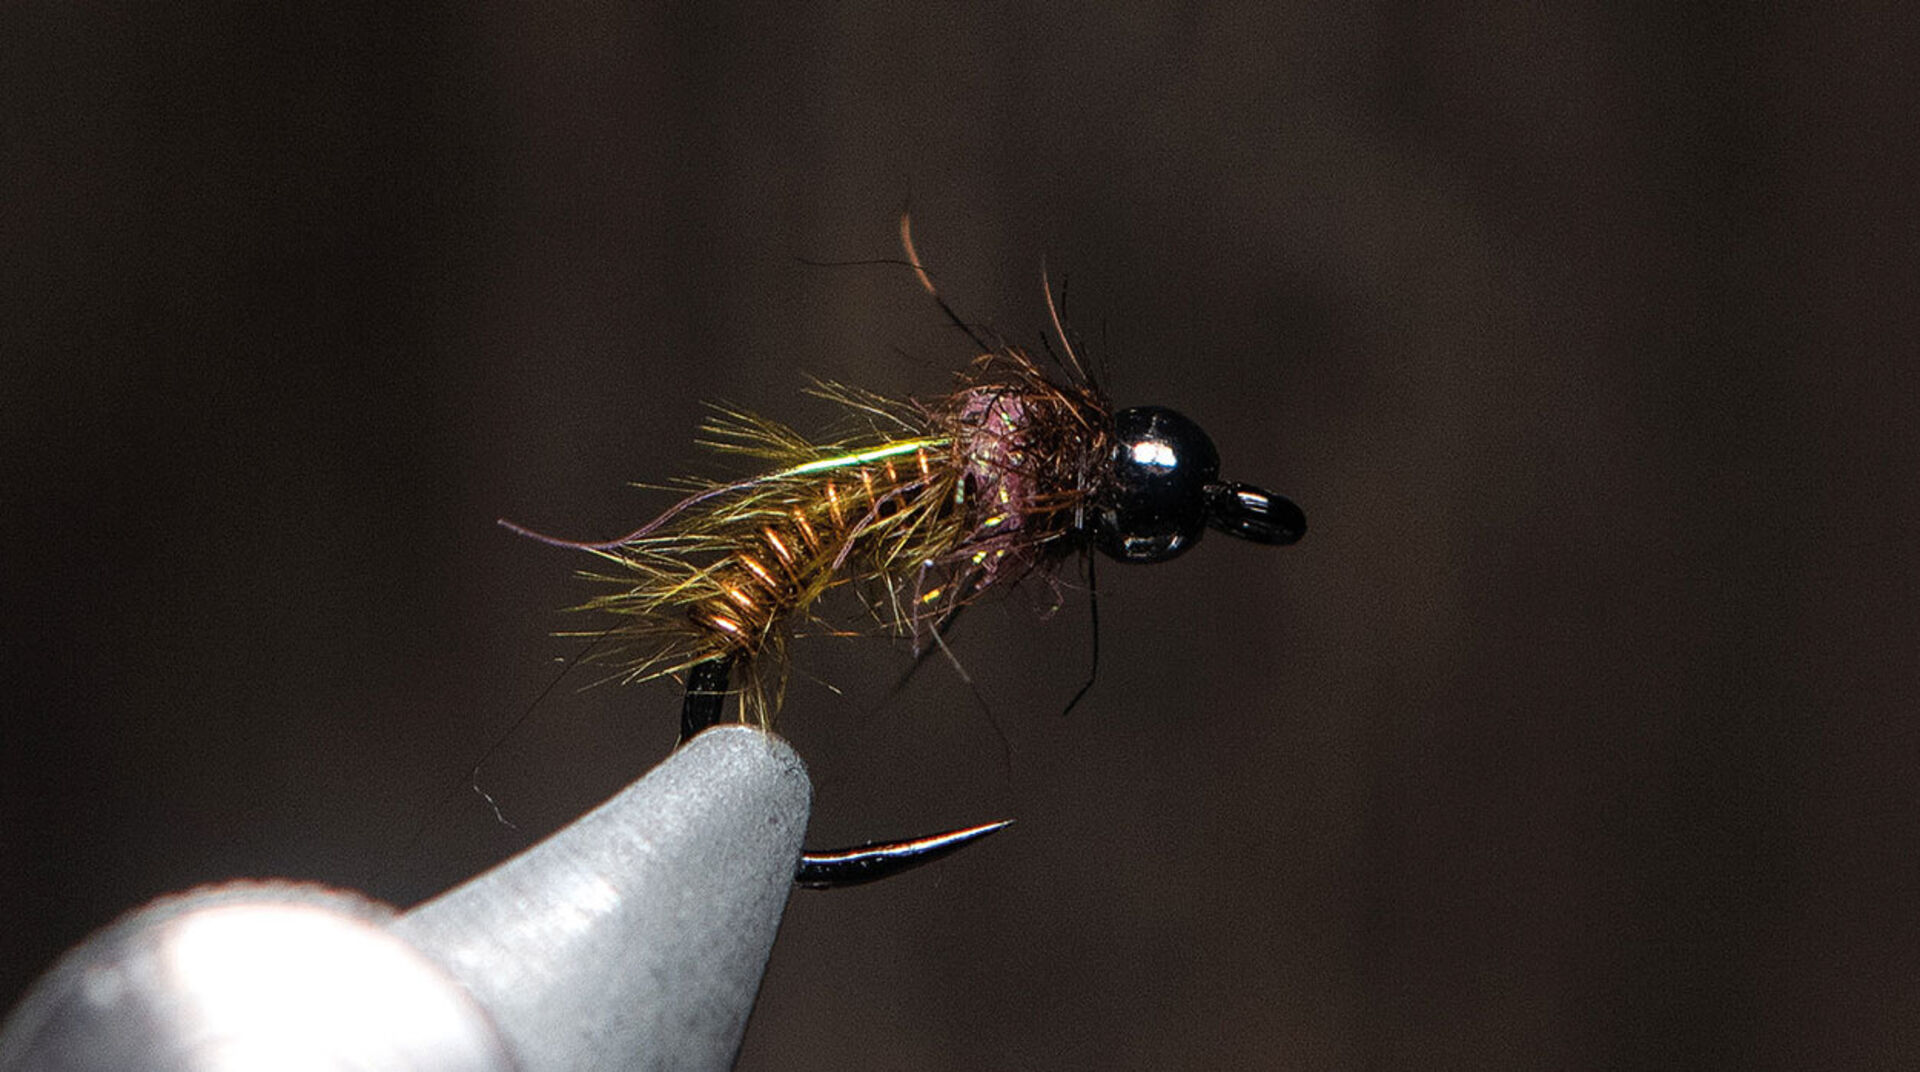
[
  {"x": 704, "y": 706},
  {"x": 1253, "y": 513},
  {"x": 876, "y": 860}
]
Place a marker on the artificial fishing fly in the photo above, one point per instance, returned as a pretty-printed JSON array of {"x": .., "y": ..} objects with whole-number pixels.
[{"x": 925, "y": 507}]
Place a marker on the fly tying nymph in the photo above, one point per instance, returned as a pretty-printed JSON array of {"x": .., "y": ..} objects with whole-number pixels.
[{"x": 925, "y": 506}]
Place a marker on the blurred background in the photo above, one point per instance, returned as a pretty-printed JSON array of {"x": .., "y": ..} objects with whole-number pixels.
[{"x": 1577, "y": 733}]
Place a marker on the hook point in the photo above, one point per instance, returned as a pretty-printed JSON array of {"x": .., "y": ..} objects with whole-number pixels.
[{"x": 837, "y": 868}]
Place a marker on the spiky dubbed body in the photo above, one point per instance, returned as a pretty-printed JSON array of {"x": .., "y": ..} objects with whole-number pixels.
[{"x": 923, "y": 508}]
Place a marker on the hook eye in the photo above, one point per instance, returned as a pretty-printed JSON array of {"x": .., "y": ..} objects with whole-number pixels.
[{"x": 1254, "y": 514}]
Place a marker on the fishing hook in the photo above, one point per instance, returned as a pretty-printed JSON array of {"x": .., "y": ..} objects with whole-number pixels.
[{"x": 833, "y": 869}]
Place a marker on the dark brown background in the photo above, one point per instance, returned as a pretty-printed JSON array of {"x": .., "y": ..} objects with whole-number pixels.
[{"x": 1578, "y": 733}]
